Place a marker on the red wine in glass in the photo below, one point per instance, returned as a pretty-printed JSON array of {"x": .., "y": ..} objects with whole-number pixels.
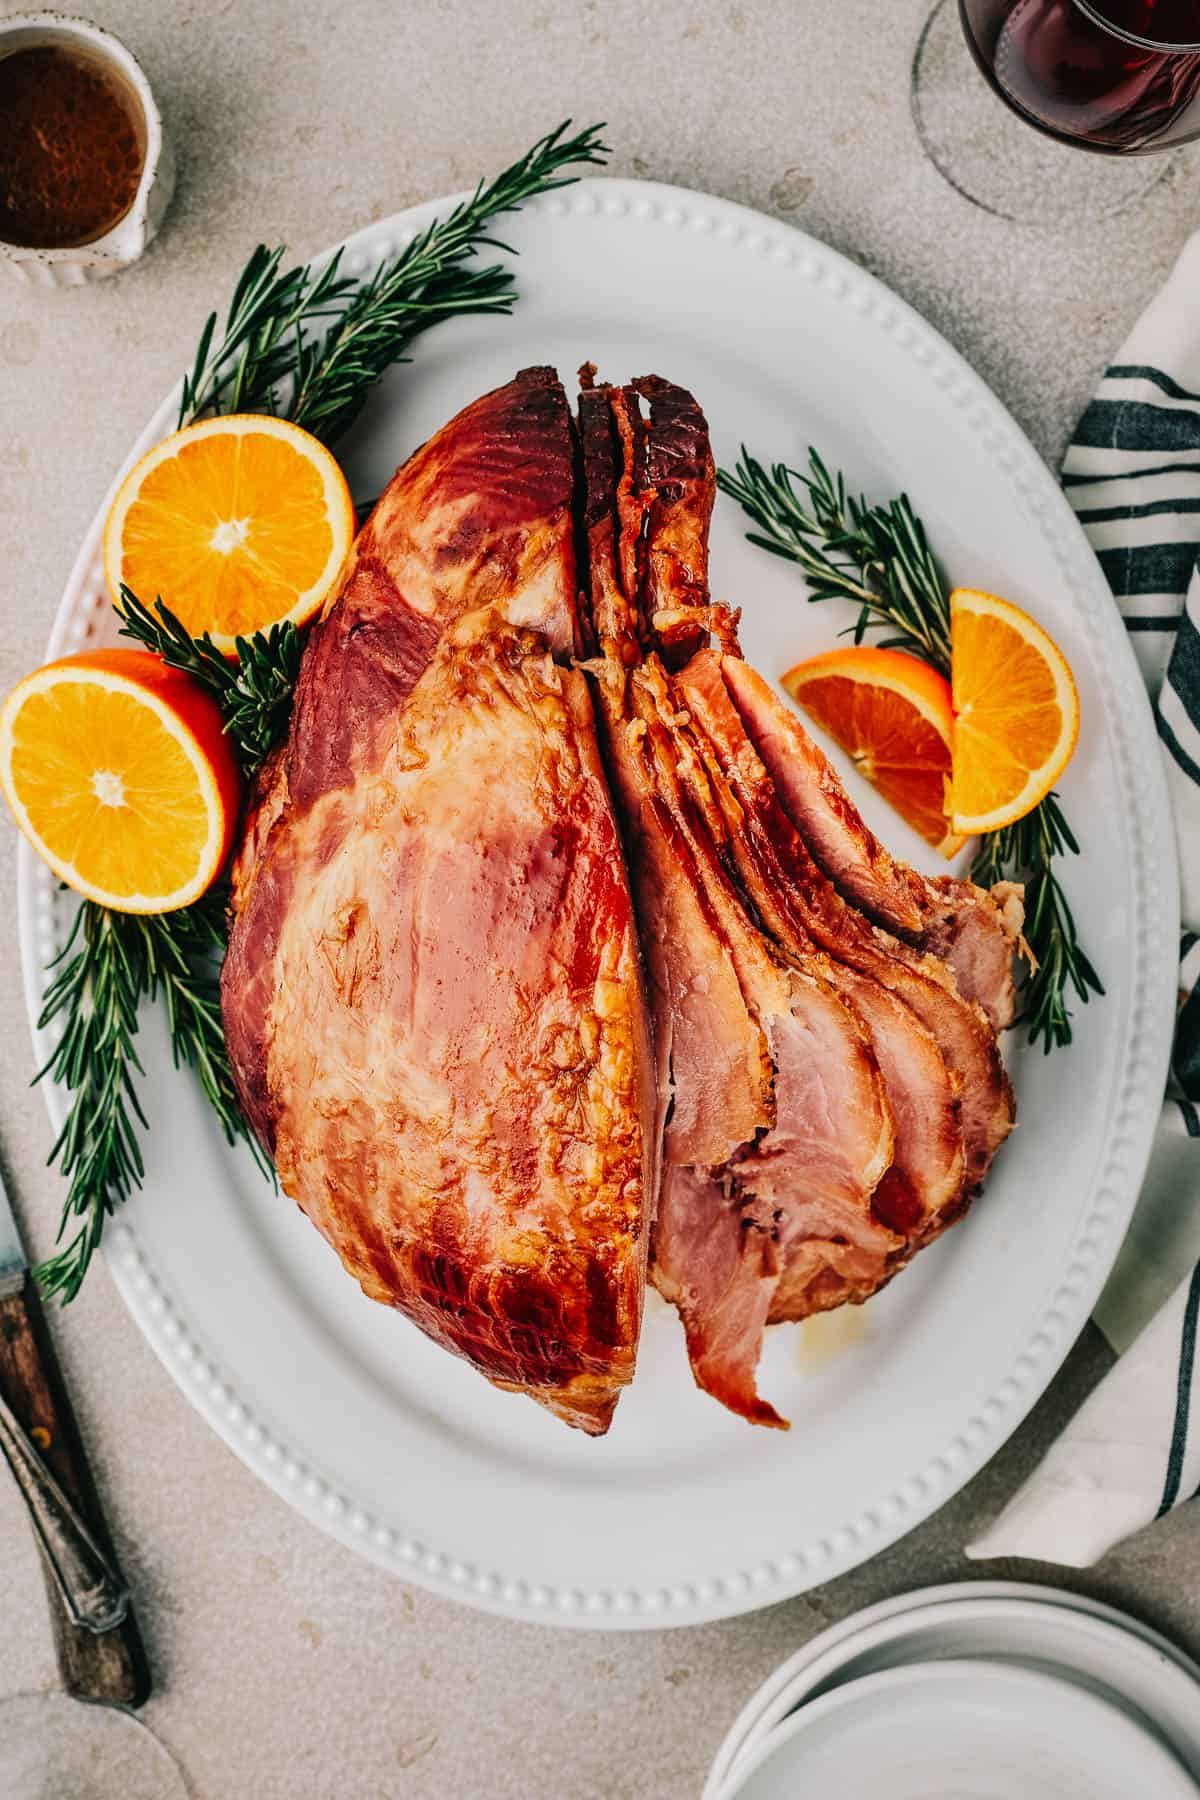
[{"x": 1121, "y": 76}]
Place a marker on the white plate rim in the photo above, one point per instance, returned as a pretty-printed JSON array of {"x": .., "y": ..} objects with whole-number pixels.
[
  {"x": 820, "y": 1675},
  {"x": 161, "y": 1314},
  {"x": 857, "y": 1631},
  {"x": 956, "y": 1671}
]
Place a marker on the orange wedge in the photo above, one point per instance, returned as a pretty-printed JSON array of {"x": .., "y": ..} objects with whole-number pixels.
[
  {"x": 1016, "y": 712},
  {"x": 119, "y": 774},
  {"x": 892, "y": 713},
  {"x": 237, "y": 523}
]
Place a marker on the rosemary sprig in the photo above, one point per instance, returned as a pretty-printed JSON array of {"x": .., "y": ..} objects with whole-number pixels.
[
  {"x": 1030, "y": 848},
  {"x": 879, "y": 558},
  {"x": 183, "y": 956},
  {"x": 98, "y": 981},
  {"x": 876, "y": 556},
  {"x": 254, "y": 693},
  {"x": 268, "y": 358},
  {"x": 256, "y": 350},
  {"x": 427, "y": 282},
  {"x": 110, "y": 962}
]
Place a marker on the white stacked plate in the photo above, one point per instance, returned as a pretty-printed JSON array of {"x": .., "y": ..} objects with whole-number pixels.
[{"x": 977, "y": 1691}]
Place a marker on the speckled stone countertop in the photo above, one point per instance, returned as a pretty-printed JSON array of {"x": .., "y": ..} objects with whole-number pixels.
[{"x": 284, "y": 1666}]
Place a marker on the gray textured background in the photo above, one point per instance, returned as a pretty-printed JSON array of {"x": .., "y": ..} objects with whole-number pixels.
[{"x": 284, "y": 1666}]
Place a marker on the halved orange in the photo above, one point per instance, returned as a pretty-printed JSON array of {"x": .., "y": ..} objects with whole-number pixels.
[
  {"x": 119, "y": 774},
  {"x": 1016, "y": 712},
  {"x": 237, "y": 523},
  {"x": 892, "y": 713}
]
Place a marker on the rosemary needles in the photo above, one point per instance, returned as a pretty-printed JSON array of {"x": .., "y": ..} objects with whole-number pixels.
[
  {"x": 254, "y": 693},
  {"x": 110, "y": 963},
  {"x": 310, "y": 343},
  {"x": 876, "y": 556}
]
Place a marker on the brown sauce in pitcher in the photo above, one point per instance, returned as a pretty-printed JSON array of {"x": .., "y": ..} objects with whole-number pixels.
[{"x": 72, "y": 147}]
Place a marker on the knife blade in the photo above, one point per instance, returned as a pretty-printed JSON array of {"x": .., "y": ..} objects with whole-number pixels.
[{"x": 13, "y": 1261}]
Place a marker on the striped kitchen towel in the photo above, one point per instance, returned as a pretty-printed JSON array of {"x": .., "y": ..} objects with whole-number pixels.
[{"x": 1132, "y": 1452}]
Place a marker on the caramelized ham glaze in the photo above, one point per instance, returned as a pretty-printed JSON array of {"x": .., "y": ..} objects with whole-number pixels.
[
  {"x": 774, "y": 1220},
  {"x": 796, "y": 897},
  {"x": 927, "y": 1170},
  {"x": 975, "y": 931},
  {"x": 432, "y": 995}
]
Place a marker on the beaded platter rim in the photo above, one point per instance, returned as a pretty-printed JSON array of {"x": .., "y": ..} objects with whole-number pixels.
[{"x": 196, "y": 1366}]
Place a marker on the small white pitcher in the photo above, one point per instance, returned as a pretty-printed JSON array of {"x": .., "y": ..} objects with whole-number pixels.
[{"x": 76, "y": 264}]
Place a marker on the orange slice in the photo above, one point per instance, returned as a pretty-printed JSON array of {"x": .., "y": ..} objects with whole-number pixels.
[
  {"x": 1016, "y": 712},
  {"x": 892, "y": 713},
  {"x": 237, "y": 523},
  {"x": 119, "y": 774}
]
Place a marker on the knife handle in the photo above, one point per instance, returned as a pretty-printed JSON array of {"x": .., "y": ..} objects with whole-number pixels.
[
  {"x": 90, "y": 1588},
  {"x": 108, "y": 1667}
]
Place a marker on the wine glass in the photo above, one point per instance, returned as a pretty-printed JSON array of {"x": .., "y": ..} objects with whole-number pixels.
[
  {"x": 1120, "y": 78},
  {"x": 53, "y": 1748}
]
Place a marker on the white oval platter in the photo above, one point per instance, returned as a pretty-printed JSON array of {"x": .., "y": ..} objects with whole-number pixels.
[{"x": 683, "y": 1513}]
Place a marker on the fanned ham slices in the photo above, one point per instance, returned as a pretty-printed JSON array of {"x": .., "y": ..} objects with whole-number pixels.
[{"x": 559, "y": 955}]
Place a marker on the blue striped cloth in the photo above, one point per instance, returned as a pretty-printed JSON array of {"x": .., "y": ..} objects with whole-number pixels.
[{"x": 1132, "y": 1452}]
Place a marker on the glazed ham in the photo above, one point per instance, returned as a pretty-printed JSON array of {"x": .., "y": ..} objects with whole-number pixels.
[
  {"x": 432, "y": 994},
  {"x": 798, "y": 903},
  {"x": 768, "y": 1215},
  {"x": 559, "y": 955},
  {"x": 976, "y": 931}
]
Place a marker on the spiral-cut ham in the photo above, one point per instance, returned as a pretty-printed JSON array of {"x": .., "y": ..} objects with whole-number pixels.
[
  {"x": 769, "y": 1214},
  {"x": 558, "y": 950},
  {"x": 924, "y": 1180}
]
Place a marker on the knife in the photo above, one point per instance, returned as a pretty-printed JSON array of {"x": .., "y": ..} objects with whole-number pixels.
[{"x": 99, "y": 1648}]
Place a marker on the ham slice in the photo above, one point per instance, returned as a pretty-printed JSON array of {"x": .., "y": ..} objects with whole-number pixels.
[
  {"x": 804, "y": 1183},
  {"x": 976, "y": 932},
  {"x": 680, "y": 481},
  {"x": 715, "y": 1076},
  {"x": 927, "y": 1169},
  {"x": 796, "y": 898},
  {"x": 718, "y": 1264}
]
